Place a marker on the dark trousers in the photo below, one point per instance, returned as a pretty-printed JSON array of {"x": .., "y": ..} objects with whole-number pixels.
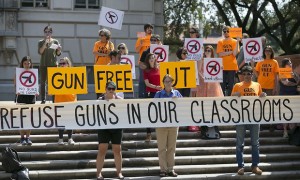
[{"x": 228, "y": 82}]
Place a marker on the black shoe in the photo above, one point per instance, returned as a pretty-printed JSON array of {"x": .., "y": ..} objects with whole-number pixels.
[
  {"x": 43, "y": 102},
  {"x": 172, "y": 173}
]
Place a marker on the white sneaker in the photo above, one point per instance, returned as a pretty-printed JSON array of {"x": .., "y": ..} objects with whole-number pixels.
[
  {"x": 71, "y": 142},
  {"x": 60, "y": 142}
]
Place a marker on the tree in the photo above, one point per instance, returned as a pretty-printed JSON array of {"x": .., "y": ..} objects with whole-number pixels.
[{"x": 277, "y": 20}]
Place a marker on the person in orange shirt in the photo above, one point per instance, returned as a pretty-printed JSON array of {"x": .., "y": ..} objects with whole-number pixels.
[
  {"x": 65, "y": 62},
  {"x": 247, "y": 88},
  {"x": 267, "y": 72},
  {"x": 141, "y": 45},
  {"x": 103, "y": 47},
  {"x": 227, "y": 49}
]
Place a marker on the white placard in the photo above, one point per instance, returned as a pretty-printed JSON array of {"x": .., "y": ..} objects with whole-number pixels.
[
  {"x": 129, "y": 59},
  {"x": 161, "y": 52},
  {"x": 27, "y": 81},
  {"x": 253, "y": 49},
  {"x": 194, "y": 48},
  {"x": 213, "y": 71},
  {"x": 111, "y": 18}
]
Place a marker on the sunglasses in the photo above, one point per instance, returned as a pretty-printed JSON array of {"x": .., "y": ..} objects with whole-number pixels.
[
  {"x": 268, "y": 50},
  {"x": 192, "y": 32},
  {"x": 102, "y": 35},
  {"x": 153, "y": 40},
  {"x": 111, "y": 89},
  {"x": 47, "y": 32},
  {"x": 121, "y": 48},
  {"x": 63, "y": 63},
  {"x": 185, "y": 53},
  {"x": 247, "y": 74},
  {"x": 168, "y": 81},
  {"x": 207, "y": 50},
  {"x": 225, "y": 31}
]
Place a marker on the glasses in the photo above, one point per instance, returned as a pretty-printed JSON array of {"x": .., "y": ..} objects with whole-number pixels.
[
  {"x": 268, "y": 50},
  {"x": 185, "y": 53},
  {"x": 225, "y": 31},
  {"x": 153, "y": 40},
  {"x": 47, "y": 32},
  {"x": 121, "y": 48},
  {"x": 247, "y": 74},
  {"x": 207, "y": 50},
  {"x": 102, "y": 35},
  {"x": 192, "y": 32},
  {"x": 111, "y": 89},
  {"x": 62, "y": 63}
]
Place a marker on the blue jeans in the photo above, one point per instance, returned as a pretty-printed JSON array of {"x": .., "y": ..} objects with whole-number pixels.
[{"x": 254, "y": 135}]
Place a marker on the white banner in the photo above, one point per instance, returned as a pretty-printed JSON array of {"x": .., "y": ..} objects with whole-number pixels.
[
  {"x": 142, "y": 113},
  {"x": 213, "y": 71},
  {"x": 194, "y": 47},
  {"x": 27, "y": 81},
  {"x": 253, "y": 49},
  {"x": 111, "y": 18}
]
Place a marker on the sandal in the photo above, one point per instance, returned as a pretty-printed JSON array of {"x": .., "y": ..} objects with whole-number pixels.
[{"x": 162, "y": 174}]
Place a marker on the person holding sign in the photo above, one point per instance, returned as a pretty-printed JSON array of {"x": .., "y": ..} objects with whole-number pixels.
[
  {"x": 181, "y": 55},
  {"x": 143, "y": 41},
  {"x": 49, "y": 49},
  {"x": 152, "y": 81},
  {"x": 247, "y": 88},
  {"x": 288, "y": 87},
  {"x": 227, "y": 49},
  {"x": 64, "y": 63},
  {"x": 25, "y": 99},
  {"x": 103, "y": 47},
  {"x": 167, "y": 136},
  {"x": 109, "y": 135}
]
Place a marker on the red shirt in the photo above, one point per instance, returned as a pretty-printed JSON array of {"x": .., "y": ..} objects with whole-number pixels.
[{"x": 153, "y": 77}]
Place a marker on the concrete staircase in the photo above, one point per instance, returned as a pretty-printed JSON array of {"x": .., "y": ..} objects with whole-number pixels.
[{"x": 195, "y": 158}]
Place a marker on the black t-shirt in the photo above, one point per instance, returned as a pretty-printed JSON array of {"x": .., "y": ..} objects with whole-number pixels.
[
  {"x": 25, "y": 99},
  {"x": 144, "y": 54}
]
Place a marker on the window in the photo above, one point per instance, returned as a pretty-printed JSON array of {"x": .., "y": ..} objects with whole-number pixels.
[
  {"x": 87, "y": 4},
  {"x": 34, "y": 3}
]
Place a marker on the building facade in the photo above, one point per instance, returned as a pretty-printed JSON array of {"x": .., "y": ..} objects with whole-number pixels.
[{"x": 75, "y": 25}]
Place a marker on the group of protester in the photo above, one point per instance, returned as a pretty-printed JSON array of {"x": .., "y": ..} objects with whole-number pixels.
[{"x": 228, "y": 49}]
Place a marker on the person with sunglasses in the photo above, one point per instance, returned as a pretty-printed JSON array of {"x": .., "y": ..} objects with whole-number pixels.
[
  {"x": 103, "y": 47},
  {"x": 207, "y": 89},
  {"x": 247, "y": 88},
  {"x": 49, "y": 48},
  {"x": 105, "y": 136},
  {"x": 227, "y": 49},
  {"x": 123, "y": 49},
  {"x": 65, "y": 62}
]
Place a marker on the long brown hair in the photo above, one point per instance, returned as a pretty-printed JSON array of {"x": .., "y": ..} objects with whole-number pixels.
[
  {"x": 147, "y": 61},
  {"x": 26, "y": 58}
]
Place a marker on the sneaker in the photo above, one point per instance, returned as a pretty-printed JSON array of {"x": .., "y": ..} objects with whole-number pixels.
[
  {"x": 256, "y": 170},
  {"x": 241, "y": 171},
  {"x": 71, "y": 142},
  {"x": 60, "y": 142},
  {"x": 285, "y": 135},
  {"x": 28, "y": 141},
  {"x": 148, "y": 137},
  {"x": 23, "y": 141}
]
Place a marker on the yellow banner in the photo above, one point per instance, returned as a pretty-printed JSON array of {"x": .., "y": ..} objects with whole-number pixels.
[
  {"x": 235, "y": 32},
  {"x": 67, "y": 80},
  {"x": 120, "y": 74},
  {"x": 183, "y": 73},
  {"x": 285, "y": 73}
]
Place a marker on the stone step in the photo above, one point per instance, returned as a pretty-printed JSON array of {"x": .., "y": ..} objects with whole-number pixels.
[
  {"x": 31, "y": 155},
  {"x": 213, "y": 170},
  {"x": 153, "y": 161}
]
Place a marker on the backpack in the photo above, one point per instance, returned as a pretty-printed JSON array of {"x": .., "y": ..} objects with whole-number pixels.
[
  {"x": 11, "y": 163},
  {"x": 294, "y": 136}
]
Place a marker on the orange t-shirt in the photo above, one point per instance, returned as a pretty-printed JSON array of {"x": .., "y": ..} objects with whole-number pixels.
[
  {"x": 267, "y": 70},
  {"x": 247, "y": 89},
  {"x": 103, "y": 47},
  {"x": 229, "y": 62},
  {"x": 65, "y": 98},
  {"x": 146, "y": 43}
]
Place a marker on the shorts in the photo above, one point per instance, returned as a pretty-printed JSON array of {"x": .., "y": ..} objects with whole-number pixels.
[{"x": 110, "y": 135}]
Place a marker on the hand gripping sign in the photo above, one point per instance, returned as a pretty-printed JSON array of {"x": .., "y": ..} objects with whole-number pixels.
[
  {"x": 194, "y": 47},
  {"x": 27, "y": 81},
  {"x": 111, "y": 18},
  {"x": 129, "y": 59},
  {"x": 161, "y": 52},
  {"x": 253, "y": 50},
  {"x": 213, "y": 71}
]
